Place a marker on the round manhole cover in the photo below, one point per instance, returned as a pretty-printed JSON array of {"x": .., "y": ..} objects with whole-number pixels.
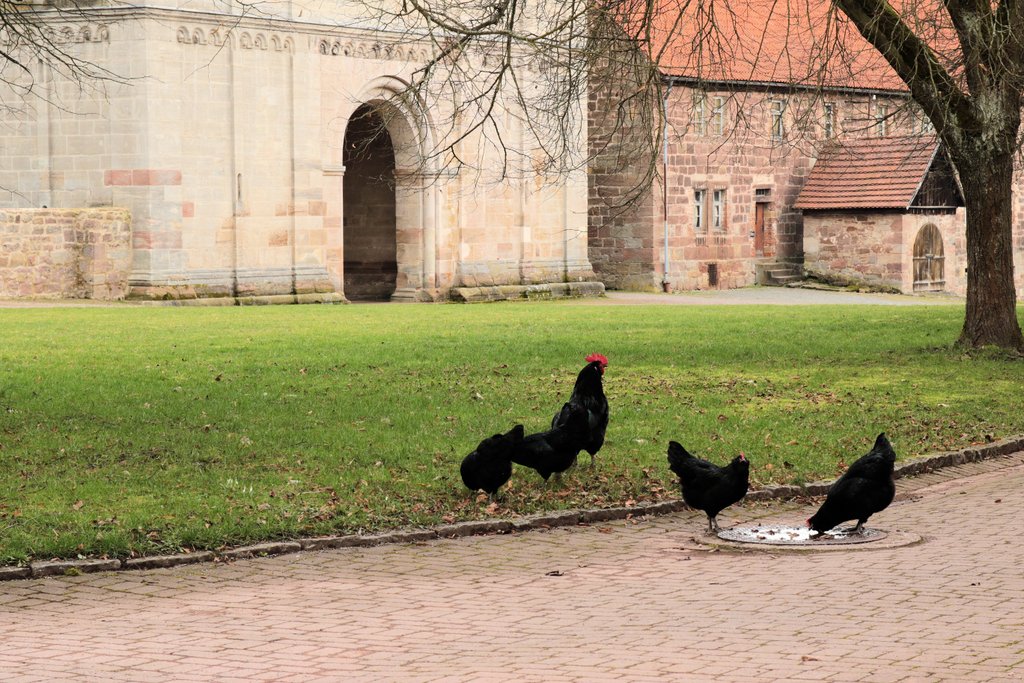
[{"x": 798, "y": 535}]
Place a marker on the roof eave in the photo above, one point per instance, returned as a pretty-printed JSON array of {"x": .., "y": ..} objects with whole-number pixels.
[{"x": 676, "y": 79}]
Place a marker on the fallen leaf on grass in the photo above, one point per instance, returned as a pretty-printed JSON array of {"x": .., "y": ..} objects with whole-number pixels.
[{"x": 78, "y": 505}]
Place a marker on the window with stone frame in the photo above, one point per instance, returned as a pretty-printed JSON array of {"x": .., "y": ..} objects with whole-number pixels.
[
  {"x": 700, "y": 225},
  {"x": 718, "y": 116},
  {"x": 778, "y": 130},
  {"x": 717, "y": 217},
  {"x": 881, "y": 120},
  {"x": 828, "y": 122},
  {"x": 700, "y": 120}
]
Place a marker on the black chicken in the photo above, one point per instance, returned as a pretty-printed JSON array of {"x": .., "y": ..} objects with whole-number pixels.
[
  {"x": 865, "y": 488},
  {"x": 554, "y": 451},
  {"x": 588, "y": 393},
  {"x": 707, "y": 486},
  {"x": 489, "y": 466}
]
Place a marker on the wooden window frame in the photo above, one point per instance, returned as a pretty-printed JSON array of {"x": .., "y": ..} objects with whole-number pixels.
[
  {"x": 700, "y": 116},
  {"x": 881, "y": 120},
  {"x": 777, "y": 109},
  {"x": 700, "y": 216},
  {"x": 718, "y": 214},
  {"x": 829, "y": 121},
  {"x": 718, "y": 116}
]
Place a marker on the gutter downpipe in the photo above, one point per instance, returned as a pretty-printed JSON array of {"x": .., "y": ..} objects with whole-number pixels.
[{"x": 664, "y": 182}]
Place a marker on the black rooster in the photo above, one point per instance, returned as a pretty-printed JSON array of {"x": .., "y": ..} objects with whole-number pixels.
[
  {"x": 707, "y": 486},
  {"x": 588, "y": 394},
  {"x": 865, "y": 488},
  {"x": 553, "y": 451},
  {"x": 489, "y": 466}
]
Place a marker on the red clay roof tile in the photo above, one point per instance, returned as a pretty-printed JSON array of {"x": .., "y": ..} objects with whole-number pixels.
[
  {"x": 871, "y": 173},
  {"x": 784, "y": 42}
]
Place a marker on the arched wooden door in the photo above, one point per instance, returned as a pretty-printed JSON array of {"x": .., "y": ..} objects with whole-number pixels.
[{"x": 929, "y": 260}]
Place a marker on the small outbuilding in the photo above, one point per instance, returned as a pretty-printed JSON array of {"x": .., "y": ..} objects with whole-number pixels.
[{"x": 886, "y": 211}]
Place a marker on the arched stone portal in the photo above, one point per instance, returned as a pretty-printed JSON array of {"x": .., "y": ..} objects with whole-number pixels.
[
  {"x": 929, "y": 260},
  {"x": 370, "y": 243}
]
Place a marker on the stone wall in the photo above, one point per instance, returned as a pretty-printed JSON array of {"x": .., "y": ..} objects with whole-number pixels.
[
  {"x": 65, "y": 253},
  {"x": 877, "y": 248},
  {"x": 226, "y": 145}
]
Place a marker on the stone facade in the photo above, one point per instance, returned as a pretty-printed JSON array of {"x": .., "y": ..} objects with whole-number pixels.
[
  {"x": 226, "y": 146},
  {"x": 743, "y": 155},
  {"x": 877, "y": 248},
  {"x": 65, "y": 253}
]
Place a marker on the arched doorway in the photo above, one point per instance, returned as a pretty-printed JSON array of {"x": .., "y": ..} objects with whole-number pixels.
[
  {"x": 929, "y": 260},
  {"x": 368, "y": 198}
]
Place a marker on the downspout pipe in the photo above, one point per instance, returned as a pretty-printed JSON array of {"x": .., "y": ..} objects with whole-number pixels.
[{"x": 664, "y": 181}]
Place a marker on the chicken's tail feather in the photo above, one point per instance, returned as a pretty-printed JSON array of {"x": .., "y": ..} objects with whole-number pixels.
[{"x": 677, "y": 457}]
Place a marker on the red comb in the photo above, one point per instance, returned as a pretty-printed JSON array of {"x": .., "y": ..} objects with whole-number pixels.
[{"x": 597, "y": 356}]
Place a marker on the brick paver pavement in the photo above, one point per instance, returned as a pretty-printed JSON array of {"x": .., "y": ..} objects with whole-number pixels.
[{"x": 631, "y": 604}]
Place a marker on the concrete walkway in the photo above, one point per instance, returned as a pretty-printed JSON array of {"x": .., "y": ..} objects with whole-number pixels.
[{"x": 627, "y": 601}]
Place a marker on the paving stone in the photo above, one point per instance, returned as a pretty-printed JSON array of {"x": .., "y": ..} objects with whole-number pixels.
[{"x": 624, "y": 600}]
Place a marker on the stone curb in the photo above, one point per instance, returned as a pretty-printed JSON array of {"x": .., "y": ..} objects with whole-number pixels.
[
  {"x": 910, "y": 468},
  {"x": 553, "y": 290},
  {"x": 72, "y": 567},
  {"x": 165, "y": 561},
  {"x": 260, "y": 550}
]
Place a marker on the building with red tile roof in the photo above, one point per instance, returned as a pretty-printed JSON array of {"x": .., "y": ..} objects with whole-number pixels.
[
  {"x": 887, "y": 212},
  {"x": 781, "y": 111},
  {"x": 878, "y": 173}
]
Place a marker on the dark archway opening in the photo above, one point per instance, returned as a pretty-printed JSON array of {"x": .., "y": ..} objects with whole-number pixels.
[{"x": 371, "y": 263}]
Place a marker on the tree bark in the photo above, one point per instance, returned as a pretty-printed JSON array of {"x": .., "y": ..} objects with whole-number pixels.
[{"x": 991, "y": 297}]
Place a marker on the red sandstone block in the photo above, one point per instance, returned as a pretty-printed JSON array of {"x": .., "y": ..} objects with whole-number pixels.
[
  {"x": 150, "y": 176},
  {"x": 117, "y": 177},
  {"x": 188, "y": 209}
]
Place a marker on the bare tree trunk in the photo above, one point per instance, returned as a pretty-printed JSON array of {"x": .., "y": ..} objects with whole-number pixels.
[{"x": 991, "y": 298}]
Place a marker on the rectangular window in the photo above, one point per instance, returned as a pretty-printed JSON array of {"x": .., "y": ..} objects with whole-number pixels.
[
  {"x": 699, "y": 197},
  {"x": 718, "y": 210},
  {"x": 881, "y": 120},
  {"x": 718, "y": 116},
  {"x": 700, "y": 123},
  {"x": 778, "y": 124},
  {"x": 926, "y": 125},
  {"x": 828, "y": 124}
]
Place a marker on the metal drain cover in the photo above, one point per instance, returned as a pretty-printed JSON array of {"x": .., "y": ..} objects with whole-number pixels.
[{"x": 798, "y": 535}]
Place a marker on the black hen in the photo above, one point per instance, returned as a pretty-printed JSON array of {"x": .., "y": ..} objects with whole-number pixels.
[
  {"x": 865, "y": 488},
  {"x": 588, "y": 394},
  {"x": 553, "y": 451},
  {"x": 489, "y": 466},
  {"x": 707, "y": 486}
]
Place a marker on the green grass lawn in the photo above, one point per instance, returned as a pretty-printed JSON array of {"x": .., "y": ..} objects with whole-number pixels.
[{"x": 146, "y": 430}]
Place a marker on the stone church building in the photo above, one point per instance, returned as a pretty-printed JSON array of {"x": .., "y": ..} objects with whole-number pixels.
[{"x": 268, "y": 158}]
